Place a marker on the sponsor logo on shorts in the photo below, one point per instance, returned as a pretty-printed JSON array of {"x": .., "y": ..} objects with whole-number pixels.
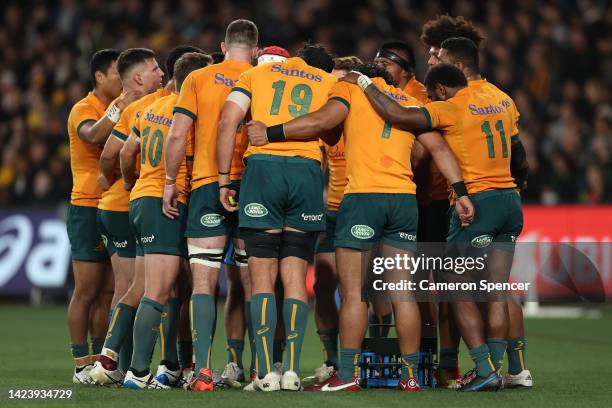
[
  {"x": 312, "y": 217},
  {"x": 360, "y": 231},
  {"x": 263, "y": 330},
  {"x": 255, "y": 210},
  {"x": 211, "y": 220},
  {"x": 482, "y": 241},
  {"x": 105, "y": 240},
  {"x": 147, "y": 240},
  {"x": 407, "y": 237},
  {"x": 122, "y": 244}
]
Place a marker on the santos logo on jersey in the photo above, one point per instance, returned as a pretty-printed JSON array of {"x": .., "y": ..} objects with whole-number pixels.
[
  {"x": 296, "y": 73},
  {"x": 220, "y": 79}
]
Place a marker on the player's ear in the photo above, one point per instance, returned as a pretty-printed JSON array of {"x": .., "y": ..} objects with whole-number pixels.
[
  {"x": 100, "y": 77},
  {"x": 254, "y": 52},
  {"x": 223, "y": 47}
]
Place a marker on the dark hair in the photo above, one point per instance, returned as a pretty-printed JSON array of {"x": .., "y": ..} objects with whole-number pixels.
[
  {"x": 100, "y": 61},
  {"x": 175, "y": 54},
  {"x": 346, "y": 63},
  {"x": 404, "y": 48},
  {"x": 130, "y": 57},
  {"x": 189, "y": 62},
  {"x": 217, "y": 57},
  {"x": 372, "y": 70},
  {"x": 444, "y": 74},
  {"x": 316, "y": 55},
  {"x": 242, "y": 32},
  {"x": 444, "y": 27},
  {"x": 463, "y": 50}
]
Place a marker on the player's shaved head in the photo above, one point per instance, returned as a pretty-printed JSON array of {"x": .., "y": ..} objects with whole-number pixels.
[
  {"x": 132, "y": 57},
  {"x": 461, "y": 50},
  {"x": 242, "y": 32},
  {"x": 189, "y": 62},
  {"x": 316, "y": 55},
  {"x": 446, "y": 75},
  {"x": 101, "y": 61},
  {"x": 444, "y": 27},
  {"x": 372, "y": 70},
  {"x": 175, "y": 54}
]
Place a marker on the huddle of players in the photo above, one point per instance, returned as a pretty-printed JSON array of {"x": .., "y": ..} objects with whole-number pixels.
[{"x": 192, "y": 133}]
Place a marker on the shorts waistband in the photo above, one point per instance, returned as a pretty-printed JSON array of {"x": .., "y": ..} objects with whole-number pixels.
[
  {"x": 493, "y": 193},
  {"x": 281, "y": 159}
]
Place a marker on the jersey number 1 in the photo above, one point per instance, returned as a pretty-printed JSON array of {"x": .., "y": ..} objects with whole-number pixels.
[
  {"x": 155, "y": 146},
  {"x": 301, "y": 96},
  {"x": 486, "y": 129}
]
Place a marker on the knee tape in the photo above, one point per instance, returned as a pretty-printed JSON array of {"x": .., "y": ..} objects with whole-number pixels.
[
  {"x": 298, "y": 244},
  {"x": 211, "y": 257},
  {"x": 240, "y": 257},
  {"x": 262, "y": 244}
]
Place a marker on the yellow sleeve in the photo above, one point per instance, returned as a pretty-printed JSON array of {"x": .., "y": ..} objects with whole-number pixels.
[
  {"x": 244, "y": 83},
  {"x": 439, "y": 114},
  {"x": 122, "y": 129},
  {"x": 187, "y": 102},
  {"x": 81, "y": 114},
  {"x": 341, "y": 92},
  {"x": 189, "y": 145}
]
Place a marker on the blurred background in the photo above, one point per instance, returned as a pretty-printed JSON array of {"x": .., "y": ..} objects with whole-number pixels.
[{"x": 553, "y": 57}]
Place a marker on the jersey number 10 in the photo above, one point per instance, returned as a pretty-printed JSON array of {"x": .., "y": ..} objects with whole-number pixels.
[
  {"x": 156, "y": 145},
  {"x": 486, "y": 129}
]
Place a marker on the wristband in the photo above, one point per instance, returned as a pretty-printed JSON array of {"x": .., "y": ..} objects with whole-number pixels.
[
  {"x": 460, "y": 189},
  {"x": 170, "y": 181},
  {"x": 363, "y": 81},
  {"x": 224, "y": 173},
  {"x": 113, "y": 113},
  {"x": 275, "y": 133}
]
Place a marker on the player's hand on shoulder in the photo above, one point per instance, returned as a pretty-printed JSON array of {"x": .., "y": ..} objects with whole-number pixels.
[
  {"x": 465, "y": 210},
  {"x": 127, "y": 97},
  {"x": 257, "y": 133},
  {"x": 351, "y": 77}
]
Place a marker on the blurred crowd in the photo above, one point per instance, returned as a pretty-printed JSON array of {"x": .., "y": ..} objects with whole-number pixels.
[{"x": 553, "y": 57}]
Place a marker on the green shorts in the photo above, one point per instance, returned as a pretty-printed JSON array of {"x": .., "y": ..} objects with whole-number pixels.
[
  {"x": 498, "y": 218},
  {"x": 117, "y": 233},
  {"x": 279, "y": 191},
  {"x": 86, "y": 243},
  {"x": 207, "y": 217},
  {"x": 325, "y": 243},
  {"x": 156, "y": 233},
  {"x": 433, "y": 221},
  {"x": 366, "y": 219}
]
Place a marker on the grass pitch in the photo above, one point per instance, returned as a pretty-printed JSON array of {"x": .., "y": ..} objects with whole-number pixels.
[{"x": 571, "y": 361}]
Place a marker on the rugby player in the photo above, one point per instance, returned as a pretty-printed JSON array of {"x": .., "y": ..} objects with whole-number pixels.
[
  {"x": 433, "y": 201},
  {"x": 160, "y": 238},
  {"x": 281, "y": 200},
  {"x": 139, "y": 72},
  {"x": 489, "y": 182},
  {"x": 379, "y": 206},
  {"x": 89, "y": 258},
  {"x": 209, "y": 226},
  {"x": 463, "y": 53}
]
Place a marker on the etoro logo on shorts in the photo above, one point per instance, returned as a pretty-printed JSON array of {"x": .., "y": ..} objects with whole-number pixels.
[
  {"x": 255, "y": 210},
  {"x": 211, "y": 220},
  {"x": 362, "y": 231},
  {"x": 482, "y": 241}
]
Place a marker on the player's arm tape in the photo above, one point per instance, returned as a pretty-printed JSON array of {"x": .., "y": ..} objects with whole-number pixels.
[
  {"x": 240, "y": 98},
  {"x": 460, "y": 189},
  {"x": 113, "y": 113},
  {"x": 363, "y": 81}
]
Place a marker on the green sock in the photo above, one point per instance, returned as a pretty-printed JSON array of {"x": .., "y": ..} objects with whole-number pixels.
[
  {"x": 449, "y": 359},
  {"x": 410, "y": 363},
  {"x": 380, "y": 331},
  {"x": 277, "y": 350},
  {"x": 79, "y": 351},
  {"x": 516, "y": 355},
  {"x": 349, "y": 364},
  {"x": 263, "y": 316},
  {"x": 125, "y": 354},
  {"x": 482, "y": 358},
  {"x": 185, "y": 353},
  {"x": 234, "y": 351},
  {"x": 295, "y": 316},
  {"x": 168, "y": 330},
  {"x": 120, "y": 326},
  {"x": 202, "y": 310},
  {"x": 497, "y": 348},
  {"x": 96, "y": 345},
  {"x": 146, "y": 330},
  {"x": 251, "y": 334},
  {"x": 329, "y": 346}
]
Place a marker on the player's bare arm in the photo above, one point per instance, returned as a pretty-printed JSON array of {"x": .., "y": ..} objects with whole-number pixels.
[
  {"x": 449, "y": 167},
  {"x": 97, "y": 132},
  {"x": 127, "y": 160},
  {"x": 175, "y": 152},
  {"x": 108, "y": 161},
  {"x": 232, "y": 114},
  {"x": 305, "y": 128}
]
